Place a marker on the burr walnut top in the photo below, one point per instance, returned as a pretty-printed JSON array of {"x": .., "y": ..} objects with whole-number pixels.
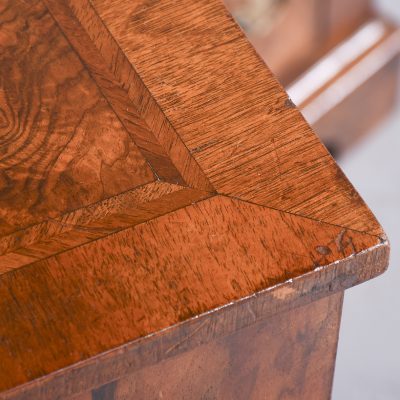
[{"x": 155, "y": 177}]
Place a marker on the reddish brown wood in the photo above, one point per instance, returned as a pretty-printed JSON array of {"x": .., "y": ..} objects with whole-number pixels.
[
  {"x": 93, "y": 222},
  {"x": 235, "y": 213},
  {"x": 98, "y": 301},
  {"x": 293, "y": 351},
  {"x": 238, "y": 140},
  {"x": 62, "y": 172},
  {"x": 127, "y": 94},
  {"x": 54, "y": 156}
]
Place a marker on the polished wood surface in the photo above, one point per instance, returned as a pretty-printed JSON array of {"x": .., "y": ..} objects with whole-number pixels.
[
  {"x": 160, "y": 192},
  {"x": 185, "y": 264},
  {"x": 62, "y": 172},
  {"x": 236, "y": 121},
  {"x": 127, "y": 94},
  {"x": 54, "y": 156}
]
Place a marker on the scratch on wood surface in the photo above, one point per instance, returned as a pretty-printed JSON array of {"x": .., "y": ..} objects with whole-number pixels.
[
  {"x": 204, "y": 146},
  {"x": 185, "y": 339},
  {"x": 251, "y": 311}
]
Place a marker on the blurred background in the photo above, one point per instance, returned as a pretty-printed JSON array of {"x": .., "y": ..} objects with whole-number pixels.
[{"x": 339, "y": 62}]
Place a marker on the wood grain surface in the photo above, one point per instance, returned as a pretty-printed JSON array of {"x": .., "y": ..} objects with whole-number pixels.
[
  {"x": 144, "y": 279},
  {"x": 93, "y": 222},
  {"x": 54, "y": 155},
  {"x": 127, "y": 94},
  {"x": 159, "y": 191},
  {"x": 59, "y": 166},
  {"x": 232, "y": 115},
  {"x": 285, "y": 350}
]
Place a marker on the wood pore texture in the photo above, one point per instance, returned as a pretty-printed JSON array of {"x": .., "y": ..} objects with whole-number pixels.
[{"x": 161, "y": 196}]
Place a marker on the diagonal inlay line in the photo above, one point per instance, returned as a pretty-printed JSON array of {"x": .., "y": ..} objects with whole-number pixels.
[
  {"x": 93, "y": 222},
  {"x": 127, "y": 95}
]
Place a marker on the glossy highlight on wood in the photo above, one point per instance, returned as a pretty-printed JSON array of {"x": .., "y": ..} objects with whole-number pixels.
[{"x": 160, "y": 195}]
